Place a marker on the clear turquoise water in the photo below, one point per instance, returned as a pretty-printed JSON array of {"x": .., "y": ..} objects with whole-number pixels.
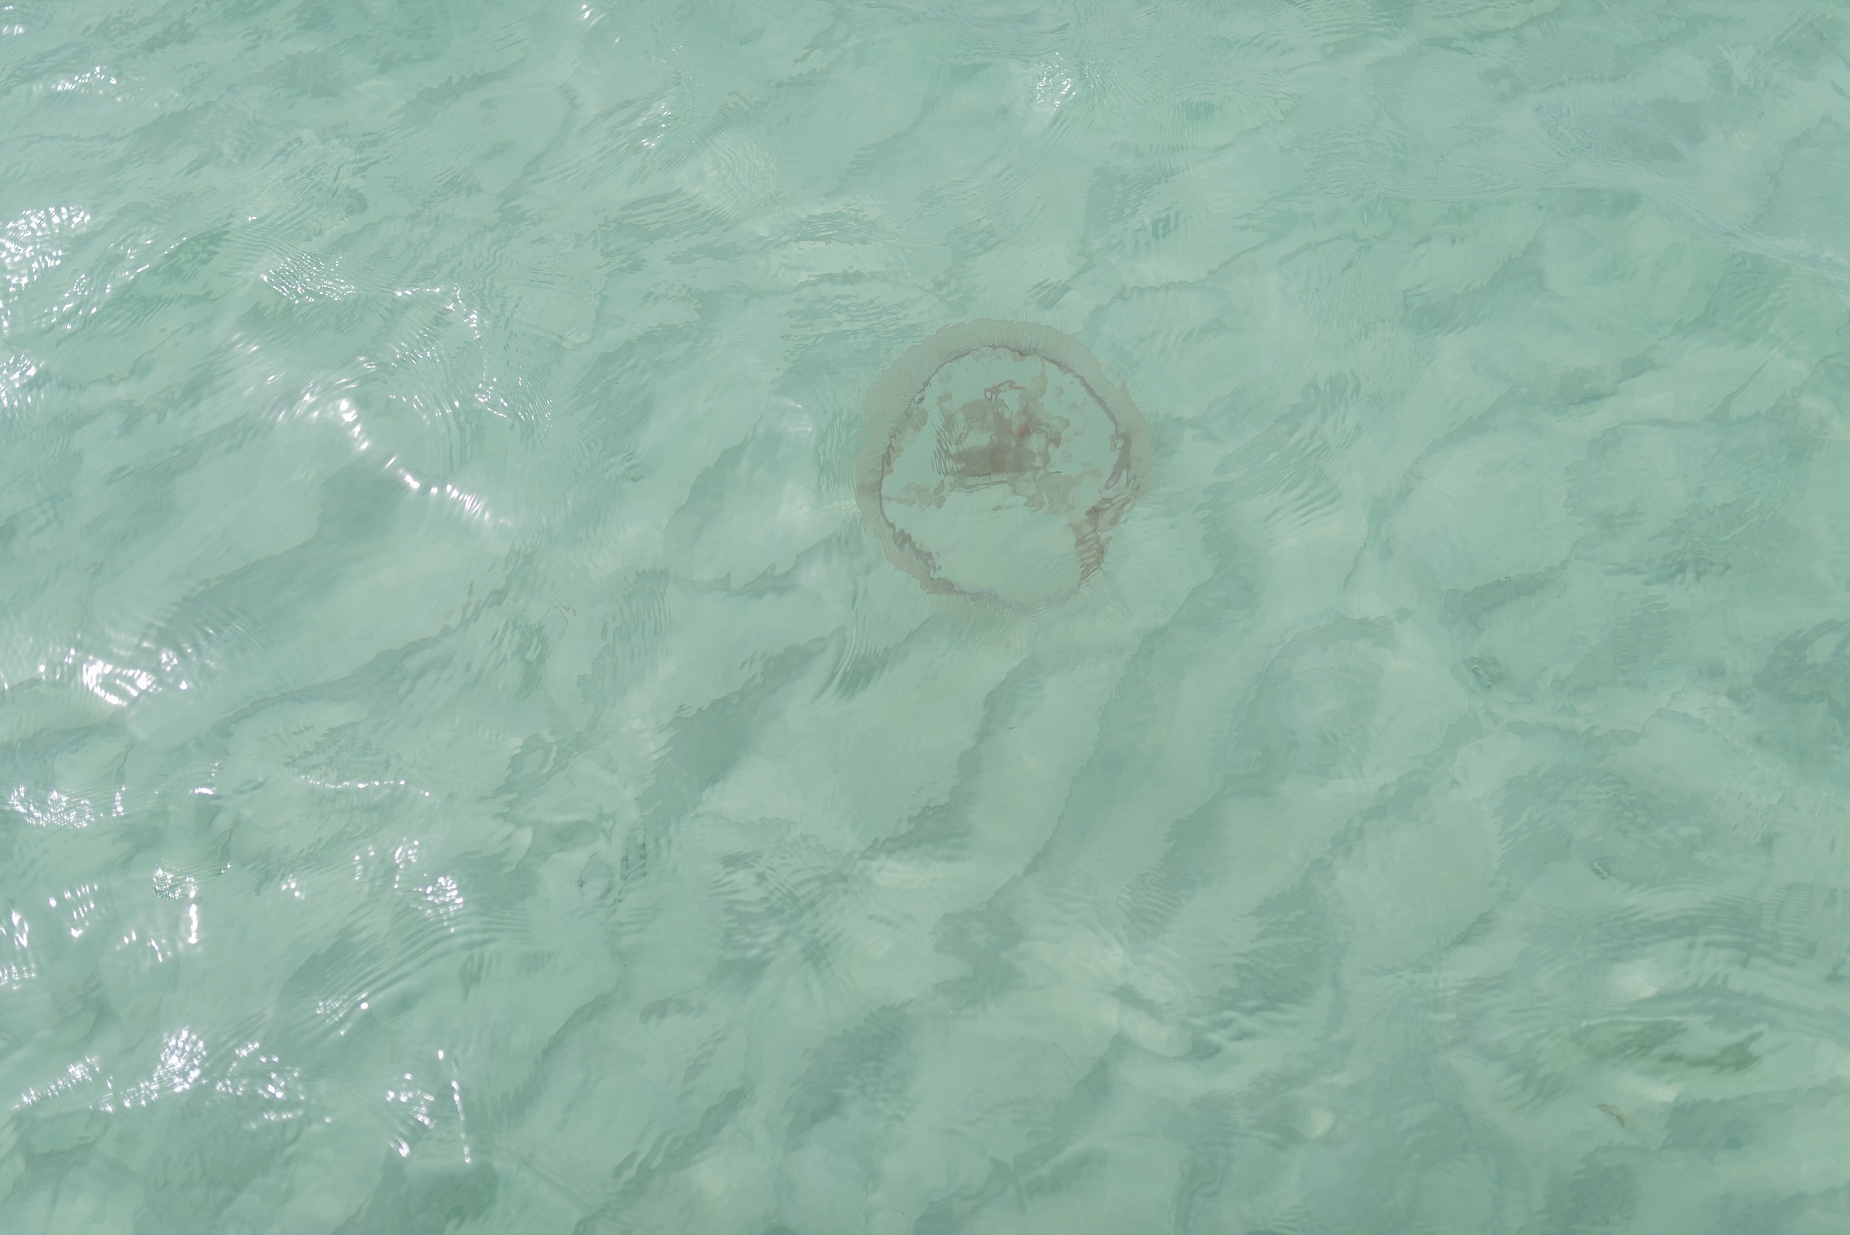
[{"x": 467, "y": 765}]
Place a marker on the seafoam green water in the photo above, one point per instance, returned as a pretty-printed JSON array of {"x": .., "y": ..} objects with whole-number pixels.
[{"x": 467, "y": 764}]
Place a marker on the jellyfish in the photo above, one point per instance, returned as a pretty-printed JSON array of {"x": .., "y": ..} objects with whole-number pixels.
[{"x": 999, "y": 458}]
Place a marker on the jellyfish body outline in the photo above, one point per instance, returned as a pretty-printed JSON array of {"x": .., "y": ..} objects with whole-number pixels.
[{"x": 896, "y": 412}]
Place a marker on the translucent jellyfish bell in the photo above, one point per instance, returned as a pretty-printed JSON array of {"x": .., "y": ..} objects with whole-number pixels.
[{"x": 998, "y": 460}]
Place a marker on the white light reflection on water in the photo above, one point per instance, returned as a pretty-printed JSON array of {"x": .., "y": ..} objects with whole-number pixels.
[
  {"x": 51, "y": 809},
  {"x": 83, "y": 1072},
  {"x": 345, "y": 412},
  {"x": 18, "y": 969},
  {"x": 180, "y": 1065}
]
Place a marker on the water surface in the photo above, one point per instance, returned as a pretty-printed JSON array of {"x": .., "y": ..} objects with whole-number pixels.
[{"x": 467, "y": 765}]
